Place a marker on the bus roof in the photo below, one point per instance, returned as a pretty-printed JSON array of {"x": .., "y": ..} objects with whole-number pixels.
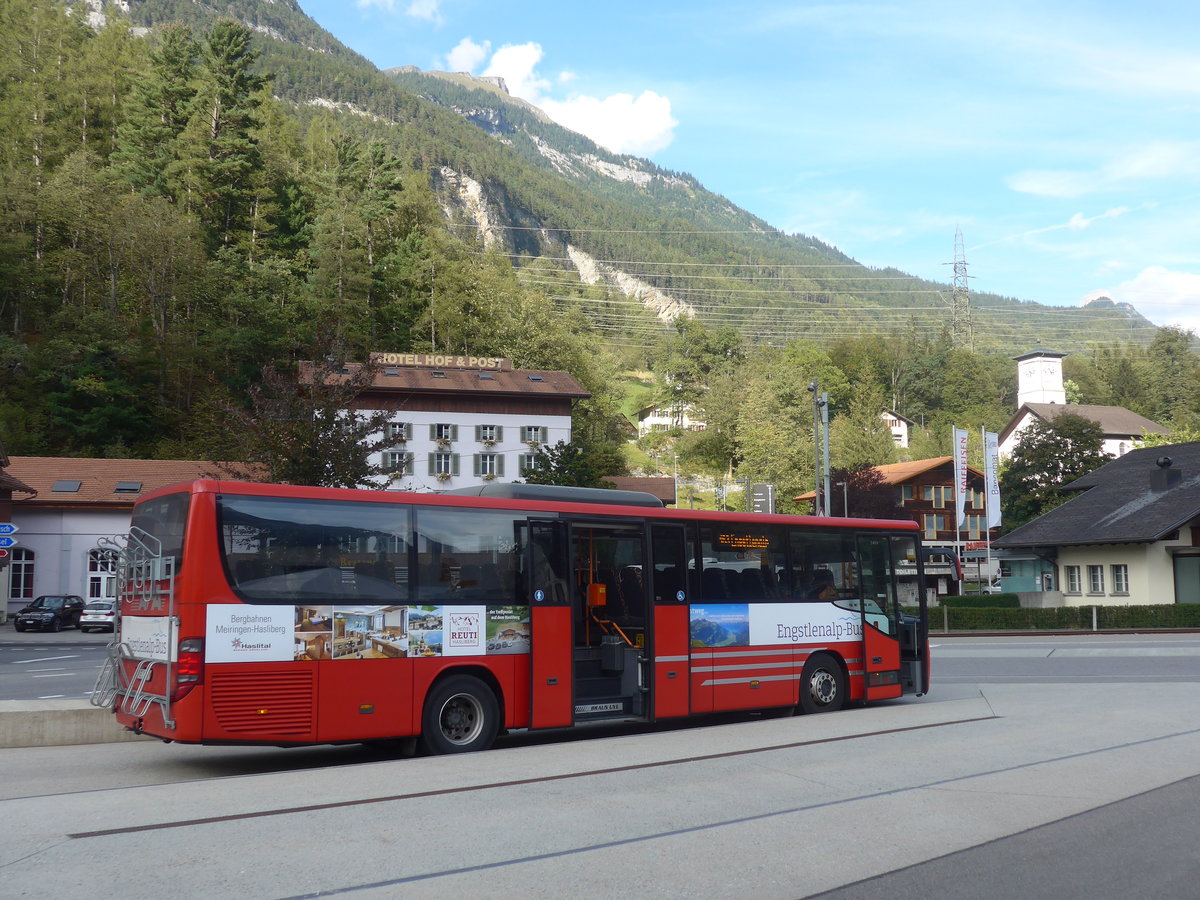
[{"x": 553, "y": 501}]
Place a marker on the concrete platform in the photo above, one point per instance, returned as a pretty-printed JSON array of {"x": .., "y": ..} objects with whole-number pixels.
[{"x": 51, "y": 723}]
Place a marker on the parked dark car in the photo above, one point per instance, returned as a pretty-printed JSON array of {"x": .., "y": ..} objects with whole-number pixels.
[{"x": 51, "y": 612}]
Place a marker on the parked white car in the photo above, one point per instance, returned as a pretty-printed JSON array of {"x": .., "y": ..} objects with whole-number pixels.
[{"x": 98, "y": 615}]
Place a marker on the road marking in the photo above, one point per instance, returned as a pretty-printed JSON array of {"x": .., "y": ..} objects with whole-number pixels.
[
  {"x": 59, "y": 675},
  {"x": 24, "y": 662},
  {"x": 53, "y": 697}
]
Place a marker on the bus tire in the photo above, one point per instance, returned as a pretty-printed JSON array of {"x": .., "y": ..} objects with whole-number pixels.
[
  {"x": 822, "y": 685},
  {"x": 461, "y": 714}
]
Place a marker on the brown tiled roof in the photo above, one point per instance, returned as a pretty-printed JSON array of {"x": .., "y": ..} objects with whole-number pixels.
[
  {"x": 898, "y": 473},
  {"x": 495, "y": 382},
  {"x": 98, "y": 478},
  {"x": 8, "y": 483}
]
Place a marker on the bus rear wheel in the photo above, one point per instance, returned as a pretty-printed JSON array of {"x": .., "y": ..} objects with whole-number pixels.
[
  {"x": 461, "y": 714},
  {"x": 822, "y": 685}
]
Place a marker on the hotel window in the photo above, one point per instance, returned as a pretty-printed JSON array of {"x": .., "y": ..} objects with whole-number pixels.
[
  {"x": 539, "y": 433},
  {"x": 906, "y": 492},
  {"x": 398, "y": 431},
  {"x": 1073, "y": 585},
  {"x": 527, "y": 462},
  {"x": 934, "y": 524},
  {"x": 1120, "y": 578},
  {"x": 443, "y": 464},
  {"x": 21, "y": 584},
  {"x": 398, "y": 463},
  {"x": 493, "y": 433},
  {"x": 1095, "y": 579},
  {"x": 489, "y": 465},
  {"x": 442, "y": 431}
]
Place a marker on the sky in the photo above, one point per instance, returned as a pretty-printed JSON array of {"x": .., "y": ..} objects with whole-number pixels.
[{"x": 1062, "y": 138}]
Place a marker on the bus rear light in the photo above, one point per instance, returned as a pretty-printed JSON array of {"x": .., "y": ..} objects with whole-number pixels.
[{"x": 189, "y": 670}]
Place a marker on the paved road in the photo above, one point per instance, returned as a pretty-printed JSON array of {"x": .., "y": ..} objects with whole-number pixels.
[
  {"x": 36, "y": 665},
  {"x": 1065, "y": 659},
  {"x": 998, "y": 788}
]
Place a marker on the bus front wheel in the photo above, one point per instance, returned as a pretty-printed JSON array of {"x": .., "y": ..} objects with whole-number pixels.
[
  {"x": 461, "y": 714},
  {"x": 822, "y": 685}
]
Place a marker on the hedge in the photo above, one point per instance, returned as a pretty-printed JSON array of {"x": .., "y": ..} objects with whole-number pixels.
[
  {"x": 981, "y": 601},
  {"x": 1063, "y": 618}
]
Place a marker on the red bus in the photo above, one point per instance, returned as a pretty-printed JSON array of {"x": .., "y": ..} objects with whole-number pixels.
[{"x": 270, "y": 614}]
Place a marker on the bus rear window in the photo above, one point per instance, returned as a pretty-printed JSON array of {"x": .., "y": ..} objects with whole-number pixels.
[{"x": 163, "y": 519}]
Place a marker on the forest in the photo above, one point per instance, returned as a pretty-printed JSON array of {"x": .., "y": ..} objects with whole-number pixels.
[{"x": 176, "y": 222}]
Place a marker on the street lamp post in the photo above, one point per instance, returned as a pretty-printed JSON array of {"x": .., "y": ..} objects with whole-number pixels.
[{"x": 845, "y": 499}]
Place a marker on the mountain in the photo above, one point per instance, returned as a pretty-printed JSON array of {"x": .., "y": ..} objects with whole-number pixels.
[{"x": 654, "y": 239}]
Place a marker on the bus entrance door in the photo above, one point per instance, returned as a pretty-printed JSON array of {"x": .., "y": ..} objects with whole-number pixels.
[
  {"x": 609, "y": 591},
  {"x": 551, "y": 638}
]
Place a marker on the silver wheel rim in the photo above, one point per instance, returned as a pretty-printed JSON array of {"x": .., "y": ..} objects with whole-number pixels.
[
  {"x": 822, "y": 687},
  {"x": 461, "y": 719}
]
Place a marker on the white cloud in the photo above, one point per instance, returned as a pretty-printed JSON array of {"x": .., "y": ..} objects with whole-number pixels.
[
  {"x": 1162, "y": 296},
  {"x": 1077, "y": 222},
  {"x": 419, "y": 9},
  {"x": 1146, "y": 162},
  {"x": 467, "y": 55},
  {"x": 425, "y": 9},
  {"x": 517, "y": 65},
  {"x": 620, "y": 122}
]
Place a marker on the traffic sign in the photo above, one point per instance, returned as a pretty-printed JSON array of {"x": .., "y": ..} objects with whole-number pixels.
[
  {"x": 7, "y": 541},
  {"x": 8, "y": 528},
  {"x": 3, "y": 553}
]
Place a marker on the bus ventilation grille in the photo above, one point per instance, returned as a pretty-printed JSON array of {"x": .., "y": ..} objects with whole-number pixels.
[{"x": 275, "y": 703}]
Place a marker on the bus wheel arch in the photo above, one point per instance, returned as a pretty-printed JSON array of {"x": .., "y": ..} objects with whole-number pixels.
[
  {"x": 823, "y": 684},
  {"x": 462, "y": 713}
]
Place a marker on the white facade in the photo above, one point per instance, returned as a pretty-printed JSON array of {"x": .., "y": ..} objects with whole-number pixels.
[
  {"x": 62, "y": 543},
  {"x": 1148, "y": 571},
  {"x": 475, "y": 446}
]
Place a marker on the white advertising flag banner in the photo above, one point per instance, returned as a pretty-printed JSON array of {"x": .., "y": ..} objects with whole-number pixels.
[
  {"x": 991, "y": 468},
  {"x": 960, "y": 476}
]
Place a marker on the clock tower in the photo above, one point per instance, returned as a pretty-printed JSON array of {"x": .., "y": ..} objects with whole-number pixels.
[{"x": 1040, "y": 378}]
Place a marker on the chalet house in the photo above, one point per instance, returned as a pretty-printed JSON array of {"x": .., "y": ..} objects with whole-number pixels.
[
  {"x": 900, "y": 427},
  {"x": 925, "y": 493},
  {"x": 1130, "y": 534},
  {"x": 1041, "y": 395},
  {"x": 666, "y": 417}
]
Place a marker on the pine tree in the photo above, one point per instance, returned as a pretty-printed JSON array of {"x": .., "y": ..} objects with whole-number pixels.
[
  {"x": 156, "y": 114},
  {"x": 225, "y": 165}
]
